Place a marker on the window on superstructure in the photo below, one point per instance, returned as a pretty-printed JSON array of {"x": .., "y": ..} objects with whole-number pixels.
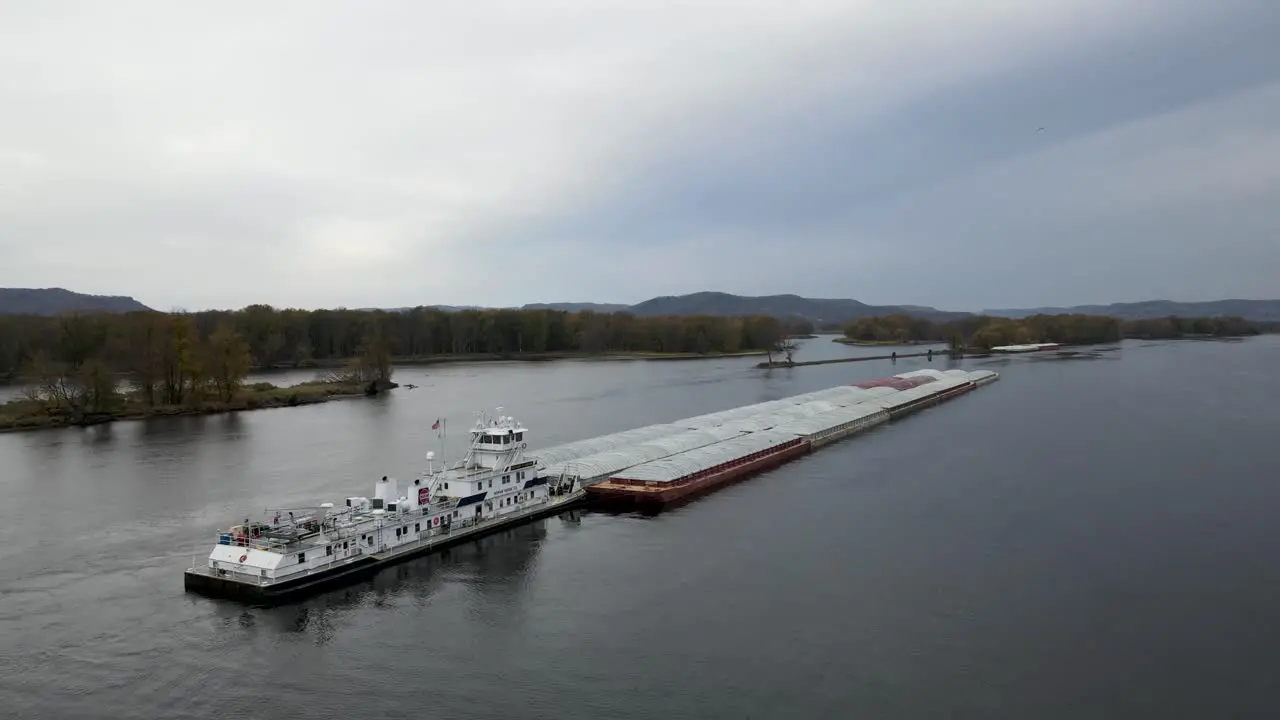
[
  {"x": 302, "y": 557},
  {"x": 328, "y": 550},
  {"x": 416, "y": 528},
  {"x": 519, "y": 436}
]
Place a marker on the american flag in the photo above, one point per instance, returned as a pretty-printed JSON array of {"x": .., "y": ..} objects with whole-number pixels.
[{"x": 436, "y": 424}]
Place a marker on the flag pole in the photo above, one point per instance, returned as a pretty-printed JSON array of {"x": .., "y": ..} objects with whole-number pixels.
[{"x": 440, "y": 436}]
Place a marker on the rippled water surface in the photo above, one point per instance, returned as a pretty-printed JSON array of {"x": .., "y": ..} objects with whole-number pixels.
[{"x": 1085, "y": 538}]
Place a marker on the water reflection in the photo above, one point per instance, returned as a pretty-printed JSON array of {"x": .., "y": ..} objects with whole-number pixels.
[{"x": 495, "y": 568}]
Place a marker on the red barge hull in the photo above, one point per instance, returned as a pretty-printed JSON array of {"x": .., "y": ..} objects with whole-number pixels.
[{"x": 661, "y": 494}]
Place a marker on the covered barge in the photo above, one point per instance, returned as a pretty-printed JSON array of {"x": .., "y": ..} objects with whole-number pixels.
[{"x": 758, "y": 437}]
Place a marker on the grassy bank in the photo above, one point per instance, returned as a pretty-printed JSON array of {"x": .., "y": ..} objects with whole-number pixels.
[{"x": 26, "y": 414}]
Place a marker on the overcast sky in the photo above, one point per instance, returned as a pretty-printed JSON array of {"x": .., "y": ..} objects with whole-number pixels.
[{"x": 320, "y": 153}]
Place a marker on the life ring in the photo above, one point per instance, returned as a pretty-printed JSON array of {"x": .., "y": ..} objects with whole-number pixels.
[
  {"x": 243, "y": 558},
  {"x": 524, "y": 446}
]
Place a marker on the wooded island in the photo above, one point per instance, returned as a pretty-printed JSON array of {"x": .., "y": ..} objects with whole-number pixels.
[
  {"x": 72, "y": 365},
  {"x": 982, "y": 332}
]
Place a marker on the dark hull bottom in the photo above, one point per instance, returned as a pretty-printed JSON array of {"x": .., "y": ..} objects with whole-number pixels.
[
  {"x": 222, "y": 588},
  {"x": 649, "y": 500}
]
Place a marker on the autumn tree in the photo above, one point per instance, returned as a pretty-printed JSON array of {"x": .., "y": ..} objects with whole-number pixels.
[
  {"x": 143, "y": 346},
  {"x": 97, "y": 387},
  {"x": 227, "y": 360},
  {"x": 178, "y": 360}
]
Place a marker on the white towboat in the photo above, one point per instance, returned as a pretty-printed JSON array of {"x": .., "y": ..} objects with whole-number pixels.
[{"x": 300, "y": 550}]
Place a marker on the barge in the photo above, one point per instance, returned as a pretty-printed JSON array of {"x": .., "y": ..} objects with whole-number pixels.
[
  {"x": 1026, "y": 348},
  {"x": 300, "y": 551},
  {"x": 760, "y": 436}
]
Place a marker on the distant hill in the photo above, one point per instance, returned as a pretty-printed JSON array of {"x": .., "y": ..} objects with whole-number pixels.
[
  {"x": 1256, "y": 310},
  {"x": 819, "y": 310},
  {"x": 54, "y": 301},
  {"x": 577, "y": 307}
]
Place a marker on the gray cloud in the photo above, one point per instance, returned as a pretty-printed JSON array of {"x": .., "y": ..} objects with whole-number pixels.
[{"x": 500, "y": 153}]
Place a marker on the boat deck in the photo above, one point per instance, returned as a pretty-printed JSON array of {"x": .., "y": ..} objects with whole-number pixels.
[{"x": 243, "y": 586}]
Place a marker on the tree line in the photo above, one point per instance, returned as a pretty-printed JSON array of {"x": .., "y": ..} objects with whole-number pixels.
[
  {"x": 985, "y": 332},
  {"x": 172, "y": 356}
]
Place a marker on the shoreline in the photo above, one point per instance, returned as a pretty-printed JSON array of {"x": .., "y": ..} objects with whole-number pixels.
[
  {"x": 256, "y": 397},
  {"x": 338, "y": 363},
  {"x": 330, "y": 364},
  {"x": 885, "y": 343},
  {"x": 277, "y": 397}
]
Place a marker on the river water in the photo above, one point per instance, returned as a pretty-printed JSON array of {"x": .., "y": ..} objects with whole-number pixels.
[{"x": 1085, "y": 538}]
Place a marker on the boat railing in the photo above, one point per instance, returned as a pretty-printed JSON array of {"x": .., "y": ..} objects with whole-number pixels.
[{"x": 254, "y": 543}]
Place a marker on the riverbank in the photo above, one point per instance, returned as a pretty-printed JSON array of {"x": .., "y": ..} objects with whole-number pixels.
[
  {"x": 26, "y": 414},
  {"x": 885, "y": 343},
  {"x": 336, "y": 363},
  {"x": 527, "y": 357}
]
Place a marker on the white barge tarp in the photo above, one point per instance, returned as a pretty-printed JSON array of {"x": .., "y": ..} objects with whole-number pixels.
[
  {"x": 926, "y": 372},
  {"x": 603, "y": 443},
  {"x": 603, "y": 464},
  {"x": 840, "y": 422},
  {"x": 839, "y": 395},
  {"x": 719, "y": 418},
  {"x": 766, "y": 420},
  {"x": 903, "y": 398},
  {"x": 982, "y": 377},
  {"x": 675, "y": 467}
]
